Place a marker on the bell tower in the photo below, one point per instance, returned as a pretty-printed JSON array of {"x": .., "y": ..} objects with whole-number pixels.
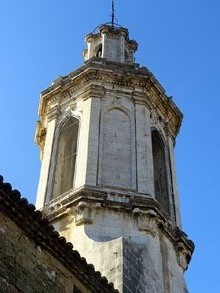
[{"x": 108, "y": 183}]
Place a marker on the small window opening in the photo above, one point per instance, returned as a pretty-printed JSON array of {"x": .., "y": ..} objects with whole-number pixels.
[
  {"x": 126, "y": 56},
  {"x": 99, "y": 52}
]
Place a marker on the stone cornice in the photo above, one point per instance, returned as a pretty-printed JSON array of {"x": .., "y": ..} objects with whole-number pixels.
[
  {"x": 53, "y": 113},
  {"x": 148, "y": 213},
  {"x": 97, "y": 74}
]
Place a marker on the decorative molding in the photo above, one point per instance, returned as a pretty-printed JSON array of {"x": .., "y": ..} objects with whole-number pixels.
[
  {"x": 150, "y": 218},
  {"x": 183, "y": 255},
  {"x": 84, "y": 212},
  {"x": 117, "y": 197},
  {"x": 40, "y": 134},
  {"x": 92, "y": 79},
  {"x": 147, "y": 221},
  {"x": 53, "y": 113}
]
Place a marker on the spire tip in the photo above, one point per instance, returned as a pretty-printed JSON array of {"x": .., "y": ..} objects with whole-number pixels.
[{"x": 113, "y": 12}]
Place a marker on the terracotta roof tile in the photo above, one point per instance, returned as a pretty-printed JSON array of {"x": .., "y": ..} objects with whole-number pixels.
[{"x": 42, "y": 232}]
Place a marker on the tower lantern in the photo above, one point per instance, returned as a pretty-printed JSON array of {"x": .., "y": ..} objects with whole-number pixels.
[
  {"x": 111, "y": 43},
  {"x": 108, "y": 184}
]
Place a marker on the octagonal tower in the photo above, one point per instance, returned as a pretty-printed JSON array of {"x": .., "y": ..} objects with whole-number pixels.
[{"x": 108, "y": 183}]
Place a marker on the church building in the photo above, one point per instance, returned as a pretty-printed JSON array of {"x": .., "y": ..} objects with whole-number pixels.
[{"x": 108, "y": 182}]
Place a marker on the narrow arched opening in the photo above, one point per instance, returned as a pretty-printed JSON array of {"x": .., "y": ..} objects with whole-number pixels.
[
  {"x": 160, "y": 173},
  {"x": 99, "y": 51},
  {"x": 126, "y": 57},
  {"x": 65, "y": 159}
]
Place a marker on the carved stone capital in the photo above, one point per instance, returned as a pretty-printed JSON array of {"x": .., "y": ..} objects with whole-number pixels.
[
  {"x": 141, "y": 98},
  {"x": 94, "y": 91},
  {"x": 183, "y": 255},
  {"x": 40, "y": 134},
  {"x": 147, "y": 221},
  {"x": 84, "y": 212},
  {"x": 54, "y": 113}
]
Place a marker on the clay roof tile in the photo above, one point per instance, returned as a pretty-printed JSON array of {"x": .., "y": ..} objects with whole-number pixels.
[{"x": 40, "y": 230}]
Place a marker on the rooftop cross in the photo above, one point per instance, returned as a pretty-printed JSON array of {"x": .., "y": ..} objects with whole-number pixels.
[{"x": 113, "y": 13}]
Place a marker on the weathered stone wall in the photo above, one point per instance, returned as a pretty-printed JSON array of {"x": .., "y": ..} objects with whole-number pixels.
[
  {"x": 151, "y": 268},
  {"x": 119, "y": 106},
  {"x": 114, "y": 143},
  {"x": 116, "y": 162},
  {"x": 130, "y": 250},
  {"x": 25, "y": 267}
]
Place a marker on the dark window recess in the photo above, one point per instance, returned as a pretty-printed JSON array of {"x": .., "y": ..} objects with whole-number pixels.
[
  {"x": 160, "y": 174},
  {"x": 126, "y": 56},
  {"x": 65, "y": 157},
  {"x": 76, "y": 290},
  {"x": 99, "y": 52}
]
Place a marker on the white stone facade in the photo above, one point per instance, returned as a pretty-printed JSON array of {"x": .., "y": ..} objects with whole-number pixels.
[
  {"x": 138, "y": 250},
  {"x": 114, "y": 143},
  {"x": 113, "y": 213}
]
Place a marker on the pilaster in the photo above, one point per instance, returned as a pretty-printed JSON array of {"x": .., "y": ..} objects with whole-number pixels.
[
  {"x": 46, "y": 157},
  {"x": 175, "y": 194},
  {"x": 144, "y": 150}
]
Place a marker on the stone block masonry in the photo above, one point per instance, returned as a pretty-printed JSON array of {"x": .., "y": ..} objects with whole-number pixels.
[
  {"x": 25, "y": 267},
  {"x": 33, "y": 256},
  {"x": 121, "y": 210}
]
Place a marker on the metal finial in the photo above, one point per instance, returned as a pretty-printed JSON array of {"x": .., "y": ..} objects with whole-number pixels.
[{"x": 113, "y": 13}]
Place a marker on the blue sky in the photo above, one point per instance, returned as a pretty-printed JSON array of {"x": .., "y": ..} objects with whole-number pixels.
[{"x": 179, "y": 42}]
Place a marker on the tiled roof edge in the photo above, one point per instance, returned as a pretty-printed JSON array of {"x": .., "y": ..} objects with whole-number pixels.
[{"x": 38, "y": 228}]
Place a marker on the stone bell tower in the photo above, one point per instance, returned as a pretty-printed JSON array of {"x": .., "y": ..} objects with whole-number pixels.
[{"x": 108, "y": 184}]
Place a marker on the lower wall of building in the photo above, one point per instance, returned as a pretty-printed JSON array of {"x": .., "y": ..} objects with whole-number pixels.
[{"x": 25, "y": 267}]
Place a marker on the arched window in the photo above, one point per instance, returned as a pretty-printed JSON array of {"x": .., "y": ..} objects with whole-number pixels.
[
  {"x": 65, "y": 157},
  {"x": 99, "y": 51},
  {"x": 160, "y": 174},
  {"x": 126, "y": 57}
]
